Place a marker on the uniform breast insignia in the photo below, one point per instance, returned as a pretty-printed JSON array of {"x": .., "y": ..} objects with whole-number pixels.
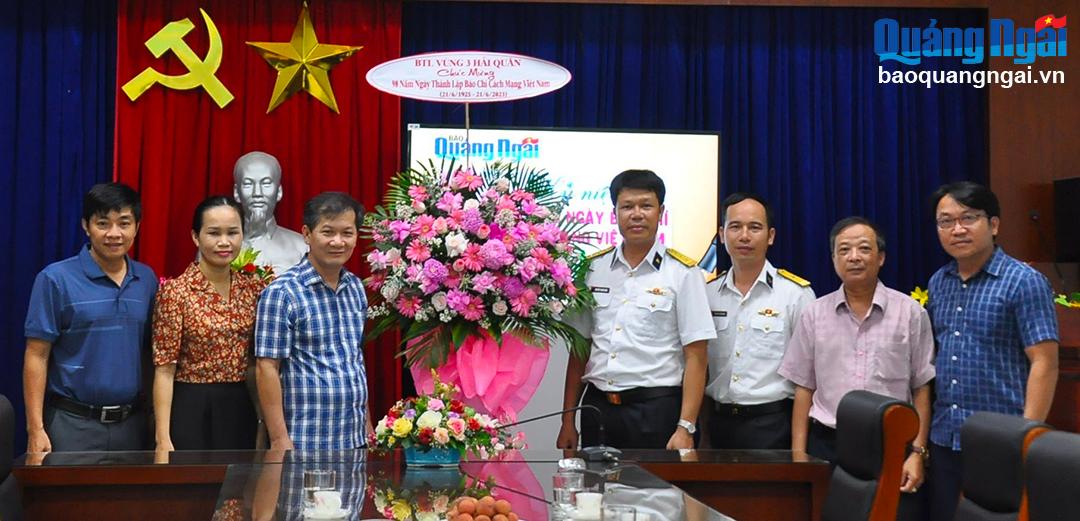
[
  {"x": 769, "y": 312},
  {"x": 657, "y": 291},
  {"x": 681, "y": 257},
  {"x": 599, "y": 289},
  {"x": 794, "y": 278},
  {"x": 719, "y": 313}
]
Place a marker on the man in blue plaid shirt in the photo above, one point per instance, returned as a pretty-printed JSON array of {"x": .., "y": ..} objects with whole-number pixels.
[
  {"x": 996, "y": 333},
  {"x": 308, "y": 333}
]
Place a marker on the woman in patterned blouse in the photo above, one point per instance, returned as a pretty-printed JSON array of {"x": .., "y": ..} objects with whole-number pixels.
[{"x": 203, "y": 325}]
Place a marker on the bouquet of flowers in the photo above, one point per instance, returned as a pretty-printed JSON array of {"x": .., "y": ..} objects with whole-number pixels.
[
  {"x": 440, "y": 420},
  {"x": 245, "y": 263},
  {"x": 459, "y": 253}
]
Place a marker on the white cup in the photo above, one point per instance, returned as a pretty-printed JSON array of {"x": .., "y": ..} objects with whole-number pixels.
[
  {"x": 588, "y": 505},
  {"x": 327, "y": 501}
]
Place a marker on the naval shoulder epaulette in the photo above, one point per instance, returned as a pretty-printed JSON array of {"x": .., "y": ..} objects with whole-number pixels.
[
  {"x": 794, "y": 278},
  {"x": 600, "y": 253},
  {"x": 681, "y": 257},
  {"x": 711, "y": 276}
]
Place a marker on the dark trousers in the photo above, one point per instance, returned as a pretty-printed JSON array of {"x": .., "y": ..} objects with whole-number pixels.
[
  {"x": 764, "y": 431},
  {"x": 821, "y": 443},
  {"x": 945, "y": 481},
  {"x": 646, "y": 424},
  {"x": 212, "y": 417},
  {"x": 70, "y": 432}
]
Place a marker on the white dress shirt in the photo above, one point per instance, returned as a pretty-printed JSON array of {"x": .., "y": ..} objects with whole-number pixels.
[
  {"x": 644, "y": 316},
  {"x": 752, "y": 332}
]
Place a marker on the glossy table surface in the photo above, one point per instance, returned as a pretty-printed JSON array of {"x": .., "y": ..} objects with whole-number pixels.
[
  {"x": 216, "y": 458},
  {"x": 758, "y": 485},
  {"x": 375, "y": 487}
]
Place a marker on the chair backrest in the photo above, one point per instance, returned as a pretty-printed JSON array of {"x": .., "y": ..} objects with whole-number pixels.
[
  {"x": 7, "y": 437},
  {"x": 10, "y": 495},
  {"x": 872, "y": 434},
  {"x": 993, "y": 459},
  {"x": 1052, "y": 470}
]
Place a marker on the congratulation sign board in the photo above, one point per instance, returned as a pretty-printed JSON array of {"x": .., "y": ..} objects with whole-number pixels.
[{"x": 468, "y": 77}]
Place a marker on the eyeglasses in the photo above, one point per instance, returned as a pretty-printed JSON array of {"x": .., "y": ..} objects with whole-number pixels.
[{"x": 967, "y": 220}]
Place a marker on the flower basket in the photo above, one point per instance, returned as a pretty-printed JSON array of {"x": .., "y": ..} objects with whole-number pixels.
[
  {"x": 436, "y": 429},
  {"x": 458, "y": 254},
  {"x": 431, "y": 457}
]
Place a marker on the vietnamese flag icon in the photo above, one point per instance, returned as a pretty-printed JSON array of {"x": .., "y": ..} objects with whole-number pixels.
[
  {"x": 1049, "y": 21},
  {"x": 530, "y": 141}
]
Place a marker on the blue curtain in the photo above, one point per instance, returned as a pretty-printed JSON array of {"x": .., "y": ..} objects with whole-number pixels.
[
  {"x": 56, "y": 117},
  {"x": 793, "y": 93}
]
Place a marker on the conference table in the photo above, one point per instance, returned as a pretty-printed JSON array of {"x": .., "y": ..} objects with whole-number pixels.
[{"x": 712, "y": 485}]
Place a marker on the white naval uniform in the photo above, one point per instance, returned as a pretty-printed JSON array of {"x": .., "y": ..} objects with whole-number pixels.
[
  {"x": 644, "y": 316},
  {"x": 752, "y": 335}
]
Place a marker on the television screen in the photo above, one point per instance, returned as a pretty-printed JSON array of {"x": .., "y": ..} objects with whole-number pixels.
[{"x": 582, "y": 164}]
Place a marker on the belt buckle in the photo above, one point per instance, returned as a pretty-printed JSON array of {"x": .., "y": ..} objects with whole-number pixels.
[
  {"x": 106, "y": 417},
  {"x": 613, "y": 398},
  {"x": 734, "y": 410}
]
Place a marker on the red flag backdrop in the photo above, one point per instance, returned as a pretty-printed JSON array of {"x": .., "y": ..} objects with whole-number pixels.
[{"x": 176, "y": 147}]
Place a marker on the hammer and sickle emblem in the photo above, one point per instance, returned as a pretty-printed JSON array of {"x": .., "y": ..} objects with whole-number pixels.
[{"x": 200, "y": 72}]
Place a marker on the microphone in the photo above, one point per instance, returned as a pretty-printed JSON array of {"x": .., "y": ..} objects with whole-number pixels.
[{"x": 599, "y": 452}]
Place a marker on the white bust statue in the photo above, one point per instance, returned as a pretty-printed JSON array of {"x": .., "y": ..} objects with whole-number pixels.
[{"x": 257, "y": 185}]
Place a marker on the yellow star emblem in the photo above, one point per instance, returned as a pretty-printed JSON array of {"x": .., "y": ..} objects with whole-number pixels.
[
  {"x": 303, "y": 63},
  {"x": 1049, "y": 20}
]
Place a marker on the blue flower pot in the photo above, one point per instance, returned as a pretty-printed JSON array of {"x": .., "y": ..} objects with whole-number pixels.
[{"x": 432, "y": 457}]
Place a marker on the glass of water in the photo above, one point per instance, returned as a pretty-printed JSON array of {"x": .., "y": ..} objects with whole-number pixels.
[
  {"x": 316, "y": 480},
  {"x": 565, "y": 485}
]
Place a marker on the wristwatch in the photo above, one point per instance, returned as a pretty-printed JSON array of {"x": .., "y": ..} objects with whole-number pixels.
[
  {"x": 922, "y": 451},
  {"x": 689, "y": 426}
]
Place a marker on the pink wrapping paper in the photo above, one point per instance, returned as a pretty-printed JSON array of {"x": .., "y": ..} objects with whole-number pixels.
[
  {"x": 515, "y": 482},
  {"x": 498, "y": 381}
]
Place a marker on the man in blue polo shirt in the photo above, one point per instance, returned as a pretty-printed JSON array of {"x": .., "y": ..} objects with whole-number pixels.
[
  {"x": 87, "y": 329},
  {"x": 996, "y": 333}
]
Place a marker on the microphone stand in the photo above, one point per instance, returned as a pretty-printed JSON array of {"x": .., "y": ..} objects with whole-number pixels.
[{"x": 599, "y": 452}]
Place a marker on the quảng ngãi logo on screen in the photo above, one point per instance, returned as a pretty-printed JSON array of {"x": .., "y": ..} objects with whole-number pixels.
[
  {"x": 455, "y": 147},
  {"x": 1046, "y": 38}
]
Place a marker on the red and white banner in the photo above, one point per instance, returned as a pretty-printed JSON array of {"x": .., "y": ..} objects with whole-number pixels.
[{"x": 468, "y": 77}]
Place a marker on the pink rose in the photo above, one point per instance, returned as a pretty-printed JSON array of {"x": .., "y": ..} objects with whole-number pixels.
[
  {"x": 457, "y": 427},
  {"x": 529, "y": 269},
  {"x": 440, "y": 225}
]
